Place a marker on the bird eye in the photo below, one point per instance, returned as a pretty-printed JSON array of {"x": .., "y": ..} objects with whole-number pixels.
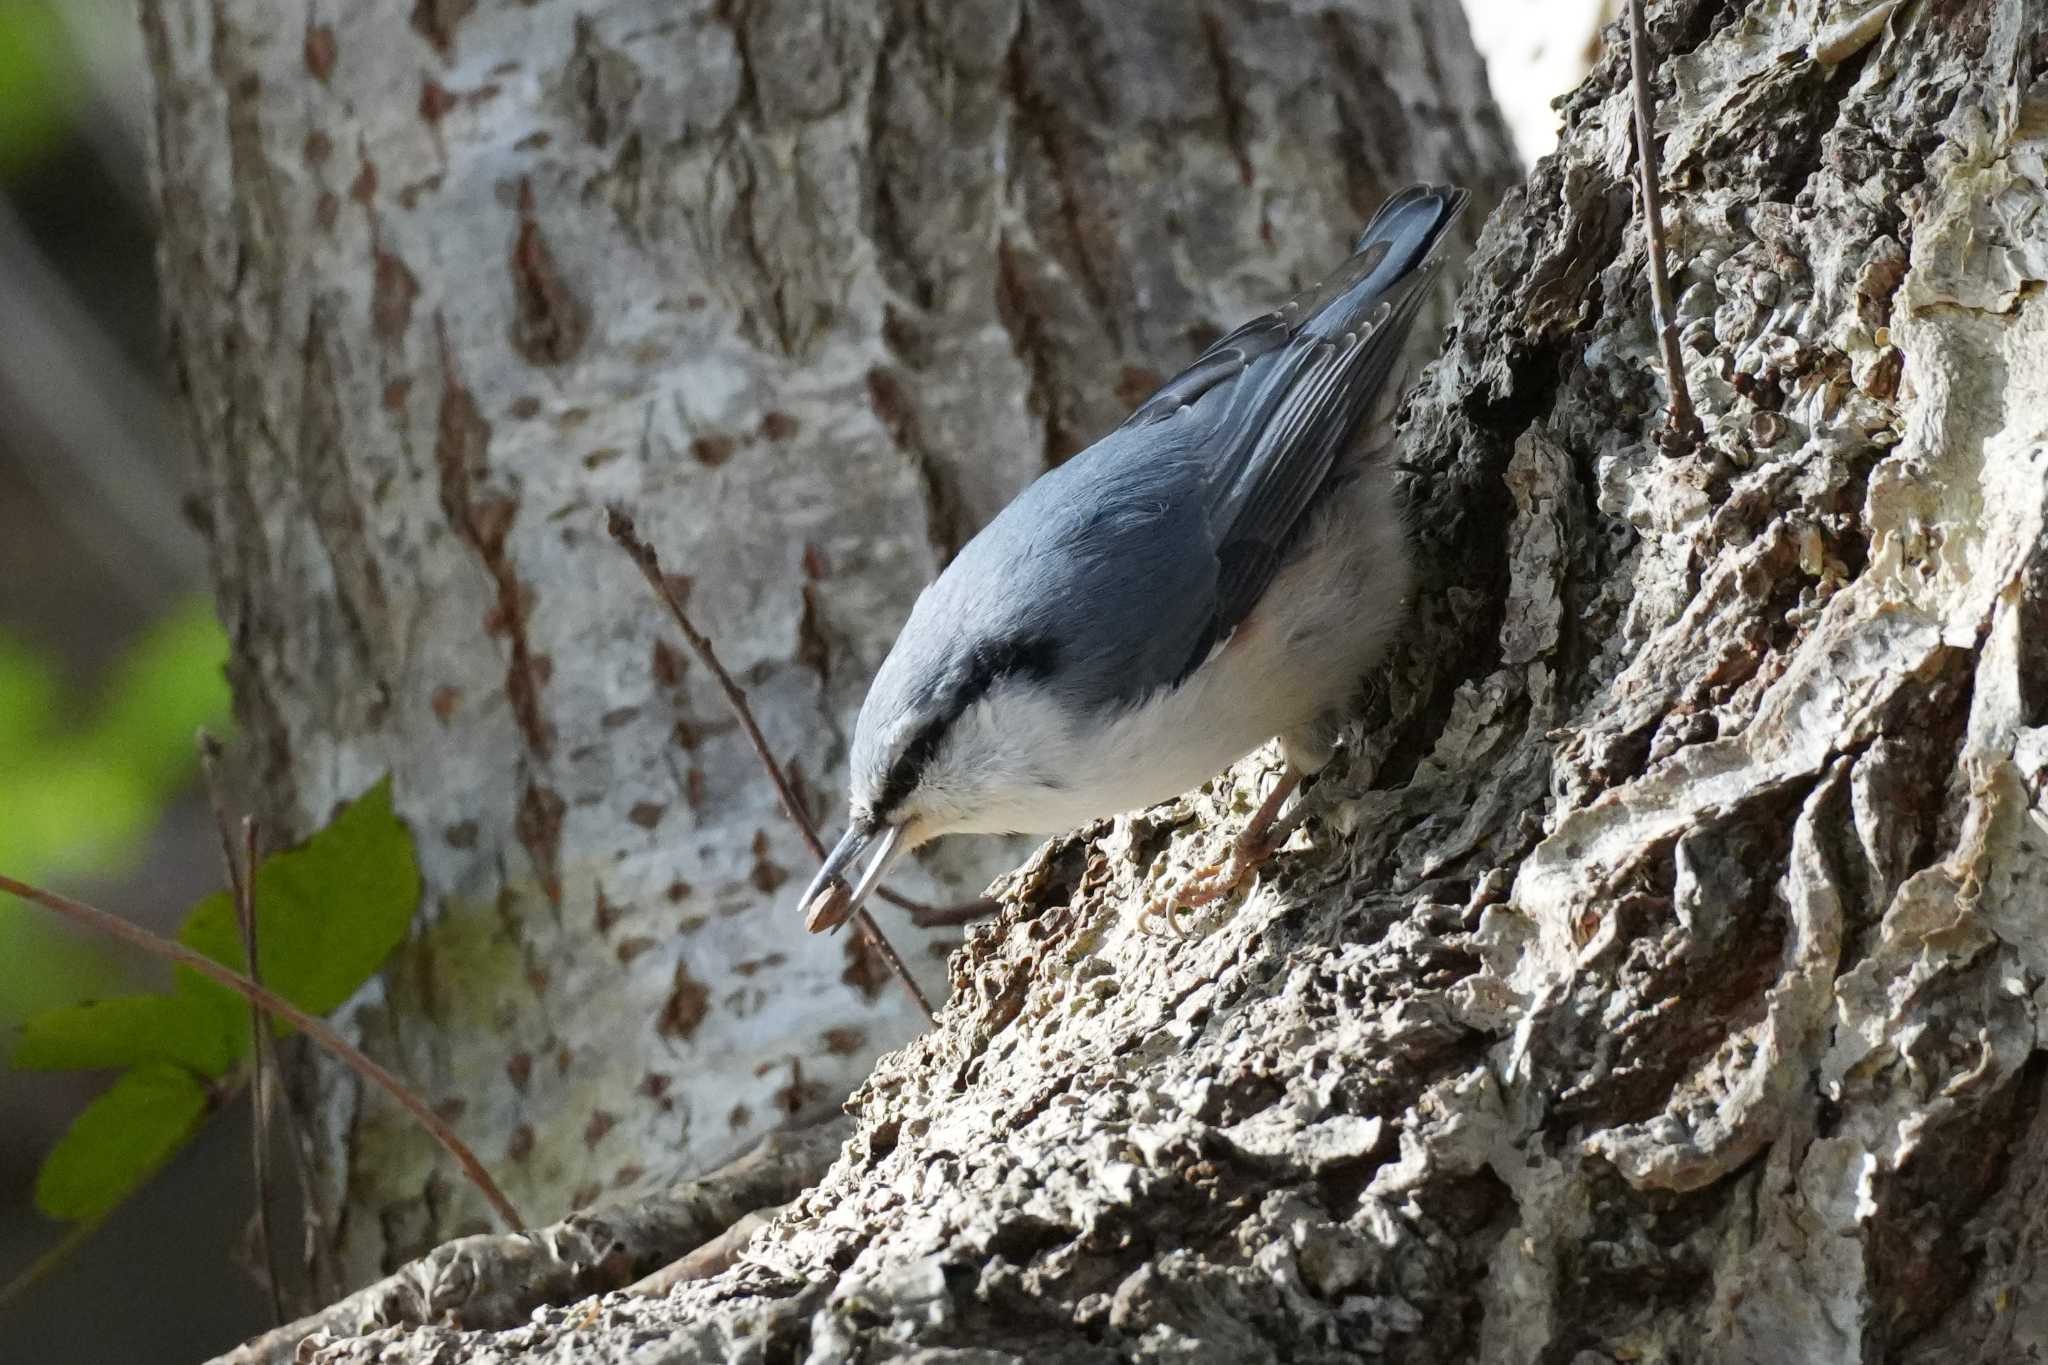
[{"x": 909, "y": 766}]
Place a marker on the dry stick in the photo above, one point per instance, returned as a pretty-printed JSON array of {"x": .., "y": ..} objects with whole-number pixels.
[
  {"x": 1682, "y": 418},
  {"x": 259, "y": 1070},
  {"x": 242, "y": 889},
  {"x": 620, "y": 525},
  {"x": 712, "y": 1258},
  {"x": 316, "y": 1261},
  {"x": 113, "y": 926},
  {"x": 47, "y": 1264},
  {"x": 954, "y": 916},
  {"x": 323, "y": 1285},
  {"x": 915, "y": 907}
]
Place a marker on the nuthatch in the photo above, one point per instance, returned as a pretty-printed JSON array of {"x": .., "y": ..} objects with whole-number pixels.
[{"x": 1222, "y": 568}]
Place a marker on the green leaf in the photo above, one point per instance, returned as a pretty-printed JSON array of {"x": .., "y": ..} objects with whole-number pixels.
[
  {"x": 327, "y": 913},
  {"x": 44, "y": 964},
  {"x": 185, "y": 1029},
  {"x": 121, "y": 1139}
]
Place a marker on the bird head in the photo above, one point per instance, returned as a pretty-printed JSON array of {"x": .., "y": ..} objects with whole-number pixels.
[{"x": 947, "y": 740}]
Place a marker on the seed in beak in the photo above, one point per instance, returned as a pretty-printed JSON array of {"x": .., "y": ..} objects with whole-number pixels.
[{"x": 830, "y": 908}]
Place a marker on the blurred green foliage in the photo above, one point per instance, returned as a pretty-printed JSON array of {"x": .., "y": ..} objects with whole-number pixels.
[
  {"x": 82, "y": 791},
  {"x": 328, "y": 913},
  {"x": 41, "y": 83}
]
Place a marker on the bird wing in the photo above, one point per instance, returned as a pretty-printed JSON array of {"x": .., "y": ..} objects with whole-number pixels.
[
  {"x": 1273, "y": 404},
  {"x": 1131, "y": 561}
]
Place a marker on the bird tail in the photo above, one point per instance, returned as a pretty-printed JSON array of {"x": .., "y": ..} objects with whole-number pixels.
[
  {"x": 1383, "y": 288},
  {"x": 1391, "y": 263},
  {"x": 1411, "y": 223}
]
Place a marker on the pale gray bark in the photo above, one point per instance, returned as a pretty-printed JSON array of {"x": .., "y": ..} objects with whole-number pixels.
[
  {"x": 814, "y": 287},
  {"x": 1663, "y": 981}
]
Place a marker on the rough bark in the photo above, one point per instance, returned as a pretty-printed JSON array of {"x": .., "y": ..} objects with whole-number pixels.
[
  {"x": 815, "y": 288},
  {"x": 1663, "y": 981},
  {"x": 498, "y": 1279}
]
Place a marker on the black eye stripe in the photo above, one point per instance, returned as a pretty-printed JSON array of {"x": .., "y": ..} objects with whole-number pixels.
[
  {"x": 1033, "y": 656},
  {"x": 910, "y": 765}
]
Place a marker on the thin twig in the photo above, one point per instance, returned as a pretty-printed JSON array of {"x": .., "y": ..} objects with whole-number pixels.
[
  {"x": 50, "y": 1261},
  {"x": 620, "y": 526},
  {"x": 494, "y": 1281},
  {"x": 1684, "y": 422},
  {"x": 903, "y": 902},
  {"x": 113, "y": 926},
  {"x": 260, "y": 1072},
  {"x": 241, "y": 877},
  {"x": 273, "y": 1098}
]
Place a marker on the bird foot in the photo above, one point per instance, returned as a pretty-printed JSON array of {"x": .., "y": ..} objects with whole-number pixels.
[
  {"x": 1206, "y": 885},
  {"x": 1156, "y": 909},
  {"x": 1218, "y": 880},
  {"x": 1252, "y": 849}
]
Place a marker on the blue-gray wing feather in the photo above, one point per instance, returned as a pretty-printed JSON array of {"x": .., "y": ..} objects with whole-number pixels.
[
  {"x": 1128, "y": 564},
  {"x": 1309, "y": 373}
]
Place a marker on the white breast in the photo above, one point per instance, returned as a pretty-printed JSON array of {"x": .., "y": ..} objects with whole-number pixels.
[{"x": 1302, "y": 653}]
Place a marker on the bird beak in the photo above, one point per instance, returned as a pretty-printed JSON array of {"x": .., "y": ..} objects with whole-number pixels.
[{"x": 828, "y": 902}]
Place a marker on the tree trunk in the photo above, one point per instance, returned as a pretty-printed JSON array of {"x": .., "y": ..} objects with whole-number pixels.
[
  {"x": 1662, "y": 979},
  {"x": 814, "y": 288}
]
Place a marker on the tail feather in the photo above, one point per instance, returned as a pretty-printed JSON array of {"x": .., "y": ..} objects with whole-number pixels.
[
  {"x": 1412, "y": 223},
  {"x": 1396, "y": 245}
]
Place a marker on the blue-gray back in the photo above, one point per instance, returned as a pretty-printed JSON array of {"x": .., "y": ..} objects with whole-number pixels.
[{"x": 1118, "y": 572}]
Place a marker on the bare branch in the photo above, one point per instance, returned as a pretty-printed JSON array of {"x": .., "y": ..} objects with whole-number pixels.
[
  {"x": 316, "y": 1254},
  {"x": 322, "y": 1281},
  {"x": 1684, "y": 422},
  {"x": 620, "y": 526},
  {"x": 113, "y": 926},
  {"x": 50, "y": 1261},
  {"x": 261, "y": 1072}
]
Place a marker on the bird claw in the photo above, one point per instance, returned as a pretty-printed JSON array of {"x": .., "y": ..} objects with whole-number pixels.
[
  {"x": 1249, "y": 852},
  {"x": 1150, "y": 912},
  {"x": 1167, "y": 907},
  {"x": 1207, "y": 884}
]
